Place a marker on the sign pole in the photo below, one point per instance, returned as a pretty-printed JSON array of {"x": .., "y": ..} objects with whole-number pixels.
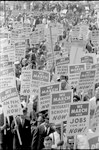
[{"x": 17, "y": 131}]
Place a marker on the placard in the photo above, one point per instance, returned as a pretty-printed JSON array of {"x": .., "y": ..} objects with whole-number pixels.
[
  {"x": 26, "y": 78},
  {"x": 62, "y": 60},
  {"x": 86, "y": 81},
  {"x": 7, "y": 82},
  {"x": 11, "y": 102},
  {"x": 59, "y": 106},
  {"x": 6, "y": 65},
  {"x": 88, "y": 59},
  {"x": 96, "y": 66},
  {"x": 93, "y": 140},
  {"x": 74, "y": 73},
  {"x": 39, "y": 78},
  {"x": 7, "y": 72},
  {"x": 78, "y": 120},
  {"x": 61, "y": 70},
  {"x": 45, "y": 95}
]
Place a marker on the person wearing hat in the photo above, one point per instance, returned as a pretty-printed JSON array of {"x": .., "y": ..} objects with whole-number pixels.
[{"x": 40, "y": 133}]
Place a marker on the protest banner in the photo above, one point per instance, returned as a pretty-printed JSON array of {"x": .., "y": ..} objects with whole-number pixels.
[
  {"x": 74, "y": 73},
  {"x": 78, "y": 119},
  {"x": 86, "y": 81},
  {"x": 11, "y": 102},
  {"x": 96, "y": 66},
  {"x": 61, "y": 70},
  {"x": 7, "y": 82},
  {"x": 39, "y": 78},
  {"x": 59, "y": 106},
  {"x": 62, "y": 60},
  {"x": 26, "y": 79},
  {"x": 88, "y": 59},
  {"x": 45, "y": 95},
  {"x": 93, "y": 140}
]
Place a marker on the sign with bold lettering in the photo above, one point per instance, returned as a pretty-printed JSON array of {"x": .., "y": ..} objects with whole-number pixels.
[
  {"x": 45, "y": 95},
  {"x": 59, "y": 106},
  {"x": 11, "y": 102},
  {"x": 86, "y": 81},
  {"x": 26, "y": 78},
  {"x": 7, "y": 72},
  {"x": 39, "y": 78},
  {"x": 74, "y": 73},
  {"x": 78, "y": 120}
]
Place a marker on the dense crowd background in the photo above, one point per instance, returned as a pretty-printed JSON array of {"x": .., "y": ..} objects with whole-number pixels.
[{"x": 32, "y": 125}]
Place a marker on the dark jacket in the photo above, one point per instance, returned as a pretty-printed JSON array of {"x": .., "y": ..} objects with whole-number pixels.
[
  {"x": 38, "y": 138},
  {"x": 25, "y": 134}
]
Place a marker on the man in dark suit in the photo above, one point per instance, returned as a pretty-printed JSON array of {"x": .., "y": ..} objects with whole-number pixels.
[
  {"x": 23, "y": 125},
  {"x": 40, "y": 133}
]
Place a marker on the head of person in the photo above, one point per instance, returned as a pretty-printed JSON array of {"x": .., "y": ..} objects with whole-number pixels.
[
  {"x": 40, "y": 120},
  {"x": 24, "y": 112},
  {"x": 48, "y": 142}
]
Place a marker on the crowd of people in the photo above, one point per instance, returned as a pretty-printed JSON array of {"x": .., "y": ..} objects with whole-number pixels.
[{"x": 33, "y": 127}]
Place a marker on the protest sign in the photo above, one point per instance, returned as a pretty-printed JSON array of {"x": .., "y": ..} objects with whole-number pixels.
[
  {"x": 4, "y": 58},
  {"x": 20, "y": 48},
  {"x": 11, "y": 102},
  {"x": 7, "y": 72},
  {"x": 26, "y": 78},
  {"x": 61, "y": 70},
  {"x": 6, "y": 65},
  {"x": 95, "y": 119},
  {"x": 74, "y": 73},
  {"x": 8, "y": 50},
  {"x": 88, "y": 59},
  {"x": 59, "y": 106},
  {"x": 86, "y": 81},
  {"x": 34, "y": 38},
  {"x": 93, "y": 140},
  {"x": 96, "y": 66},
  {"x": 65, "y": 47},
  {"x": 45, "y": 95},
  {"x": 78, "y": 120},
  {"x": 7, "y": 82},
  {"x": 39, "y": 78},
  {"x": 95, "y": 37},
  {"x": 62, "y": 60}
]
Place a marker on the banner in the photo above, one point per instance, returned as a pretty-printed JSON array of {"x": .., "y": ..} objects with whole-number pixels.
[
  {"x": 59, "y": 106},
  {"x": 39, "y": 78},
  {"x": 11, "y": 102},
  {"x": 45, "y": 95},
  {"x": 86, "y": 81},
  {"x": 78, "y": 120},
  {"x": 93, "y": 141},
  {"x": 26, "y": 78},
  {"x": 74, "y": 73}
]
